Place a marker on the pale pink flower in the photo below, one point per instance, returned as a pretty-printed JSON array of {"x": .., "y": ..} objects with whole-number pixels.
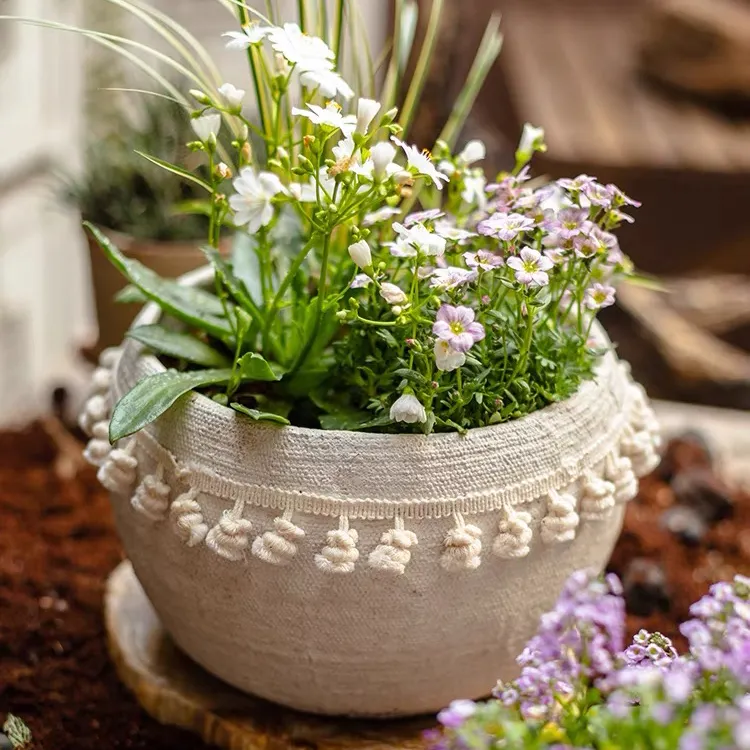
[
  {"x": 360, "y": 281},
  {"x": 457, "y": 326},
  {"x": 576, "y": 184},
  {"x": 530, "y": 268},
  {"x": 505, "y": 226},
  {"x": 451, "y": 277},
  {"x": 598, "y": 296},
  {"x": 483, "y": 259},
  {"x": 598, "y": 194}
]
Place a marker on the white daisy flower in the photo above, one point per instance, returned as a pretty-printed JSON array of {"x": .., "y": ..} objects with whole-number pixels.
[
  {"x": 447, "y": 358},
  {"x": 252, "y": 34},
  {"x": 252, "y": 202},
  {"x": 421, "y": 162},
  {"x": 329, "y": 116},
  {"x": 416, "y": 238}
]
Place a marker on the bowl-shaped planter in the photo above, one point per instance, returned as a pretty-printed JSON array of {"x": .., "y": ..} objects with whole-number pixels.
[{"x": 366, "y": 574}]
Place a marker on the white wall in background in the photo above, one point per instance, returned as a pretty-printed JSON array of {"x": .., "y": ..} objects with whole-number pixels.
[{"x": 43, "y": 294}]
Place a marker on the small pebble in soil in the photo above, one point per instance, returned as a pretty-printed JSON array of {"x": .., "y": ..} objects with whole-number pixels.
[
  {"x": 685, "y": 523},
  {"x": 700, "y": 489},
  {"x": 687, "y": 450},
  {"x": 645, "y": 587}
]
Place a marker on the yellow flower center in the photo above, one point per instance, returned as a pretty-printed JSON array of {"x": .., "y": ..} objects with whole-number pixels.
[{"x": 456, "y": 327}]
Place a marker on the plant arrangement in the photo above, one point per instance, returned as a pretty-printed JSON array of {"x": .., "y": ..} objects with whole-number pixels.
[
  {"x": 374, "y": 285},
  {"x": 580, "y": 687}
]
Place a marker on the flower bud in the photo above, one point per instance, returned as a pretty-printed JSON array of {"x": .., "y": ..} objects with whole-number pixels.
[
  {"x": 360, "y": 253},
  {"x": 342, "y": 314},
  {"x": 473, "y": 151},
  {"x": 206, "y": 127},
  {"x": 532, "y": 139},
  {"x": 282, "y": 155},
  {"x": 397, "y": 309},
  {"x": 382, "y": 155},
  {"x": 223, "y": 171},
  {"x": 366, "y": 111},
  {"x": 200, "y": 97},
  {"x": 232, "y": 96},
  {"x": 403, "y": 177},
  {"x": 390, "y": 116},
  {"x": 392, "y": 294}
]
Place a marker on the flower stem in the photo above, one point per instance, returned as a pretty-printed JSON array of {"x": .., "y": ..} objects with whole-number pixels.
[{"x": 322, "y": 288}]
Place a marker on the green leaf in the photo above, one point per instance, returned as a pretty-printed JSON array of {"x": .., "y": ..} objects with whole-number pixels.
[
  {"x": 646, "y": 281},
  {"x": 192, "y": 208},
  {"x": 259, "y": 416},
  {"x": 252, "y": 366},
  {"x": 181, "y": 302},
  {"x": 180, "y": 345},
  {"x": 174, "y": 169},
  {"x": 247, "y": 266},
  {"x": 236, "y": 288},
  {"x": 153, "y": 395},
  {"x": 17, "y": 732},
  {"x": 130, "y": 295}
]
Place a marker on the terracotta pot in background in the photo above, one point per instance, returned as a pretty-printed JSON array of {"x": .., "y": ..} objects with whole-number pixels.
[{"x": 168, "y": 259}]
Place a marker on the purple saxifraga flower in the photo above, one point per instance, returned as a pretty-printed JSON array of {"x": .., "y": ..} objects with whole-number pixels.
[
  {"x": 530, "y": 267},
  {"x": 457, "y": 326},
  {"x": 457, "y": 713},
  {"x": 484, "y": 260},
  {"x": 570, "y": 222}
]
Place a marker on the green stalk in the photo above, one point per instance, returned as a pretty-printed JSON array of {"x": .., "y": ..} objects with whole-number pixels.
[
  {"x": 302, "y": 12},
  {"x": 489, "y": 49},
  {"x": 338, "y": 33},
  {"x": 390, "y": 85},
  {"x": 322, "y": 288},
  {"x": 252, "y": 58},
  {"x": 423, "y": 66}
]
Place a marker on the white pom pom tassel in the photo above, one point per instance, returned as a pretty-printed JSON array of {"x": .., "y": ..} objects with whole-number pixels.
[
  {"x": 98, "y": 448},
  {"x": 340, "y": 553},
  {"x": 151, "y": 497},
  {"x": 95, "y": 410},
  {"x": 561, "y": 521},
  {"x": 597, "y": 497},
  {"x": 279, "y": 547},
  {"x": 394, "y": 551},
  {"x": 119, "y": 471},
  {"x": 187, "y": 518},
  {"x": 639, "y": 448},
  {"x": 514, "y": 534},
  {"x": 619, "y": 470},
  {"x": 231, "y": 535},
  {"x": 462, "y": 546}
]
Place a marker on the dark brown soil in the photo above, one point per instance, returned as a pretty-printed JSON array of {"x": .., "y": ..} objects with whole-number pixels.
[{"x": 57, "y": 544}]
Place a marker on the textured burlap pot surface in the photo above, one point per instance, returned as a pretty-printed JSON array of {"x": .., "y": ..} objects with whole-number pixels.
[{"x": 364, "y": 574}]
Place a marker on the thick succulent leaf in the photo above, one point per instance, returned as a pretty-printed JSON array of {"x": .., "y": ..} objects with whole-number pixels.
[
  {"x": 153, "y": 395},
  {"x": 180, "y": 345},
  {"x": 170, "y": 296},
  {"x": 259, "y": 416}
]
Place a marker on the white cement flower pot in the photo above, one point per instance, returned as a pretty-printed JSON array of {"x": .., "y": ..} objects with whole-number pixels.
[{"x": 364, "y": 574}]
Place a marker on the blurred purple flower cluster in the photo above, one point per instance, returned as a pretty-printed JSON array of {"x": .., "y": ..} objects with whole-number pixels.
[{"x": 580, "y": 688}]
